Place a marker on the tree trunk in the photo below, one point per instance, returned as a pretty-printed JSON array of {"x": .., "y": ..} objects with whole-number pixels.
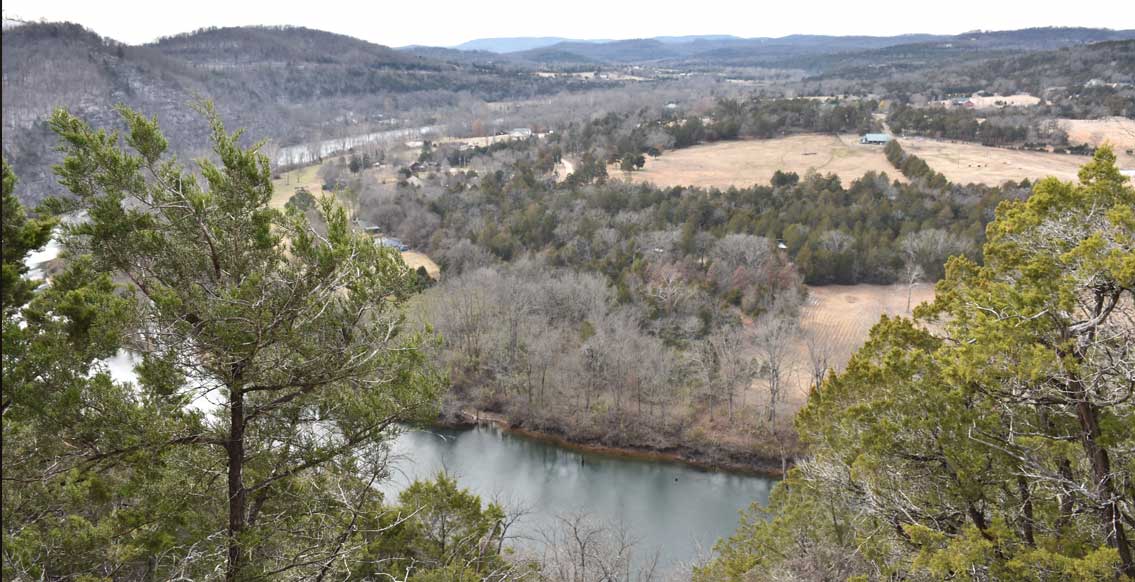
[
  {"x": 1090, "y": 436},
  {"x": 1027, "y": 508},
  {"x": 235, "y": 449},
  {"x": 1101, "y": 469}
]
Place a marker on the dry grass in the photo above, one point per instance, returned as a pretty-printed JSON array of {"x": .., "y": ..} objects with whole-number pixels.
[
  {"x": 284, "y": 187},
  {"x": 843, "y": 314},
  {"x": 748, "y": 162},
  {"x": 966, "y": 163},
  {"x": 480, "y": 142},
  {"x": 838, "y": 318},
  {"x": 414, "y": 259},
  {"x": 996, "y": 101},
  {"x": 1118, "y": 131}
]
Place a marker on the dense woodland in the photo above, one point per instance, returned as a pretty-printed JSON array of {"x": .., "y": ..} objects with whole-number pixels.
[
  {"x": 834, "y": 232},
  {"x": 631, "y": 315}
]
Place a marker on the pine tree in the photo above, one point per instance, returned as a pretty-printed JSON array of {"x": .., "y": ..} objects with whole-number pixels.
[{"x": 284, "y": 348}]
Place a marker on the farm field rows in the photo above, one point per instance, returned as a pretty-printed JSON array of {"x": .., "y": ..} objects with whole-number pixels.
[{"x": 747, "y": 162}]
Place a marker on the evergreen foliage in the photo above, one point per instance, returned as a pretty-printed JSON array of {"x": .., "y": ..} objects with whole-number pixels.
[{"x": 989, "y": 438}]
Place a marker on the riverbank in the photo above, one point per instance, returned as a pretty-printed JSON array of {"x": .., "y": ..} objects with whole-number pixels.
[
  {"x": 708, "y": 458},
  {"x": 673, "y": 512}
]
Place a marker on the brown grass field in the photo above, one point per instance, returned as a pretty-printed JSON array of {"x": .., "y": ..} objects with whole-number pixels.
[
  {"x": 839, "y": 317},
  {"x": 966, "y": 163},
  {"x": 748, "y": 162},
  {"x": 285, "y": 186},
  {"x": 414, "y": 259},
  {"x": 1118, "y": 131},
  {"x": 992, "y": 102}
]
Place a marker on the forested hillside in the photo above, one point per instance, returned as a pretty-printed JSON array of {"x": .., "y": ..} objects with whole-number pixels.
[
  {"x": 287, "y": 84},
  {"x": 294, "y": 85}
]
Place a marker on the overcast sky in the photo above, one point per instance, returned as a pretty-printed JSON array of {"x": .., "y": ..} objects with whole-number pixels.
[{"x": 450, "y": 22}]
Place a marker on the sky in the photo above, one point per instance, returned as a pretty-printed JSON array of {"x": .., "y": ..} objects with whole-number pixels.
[{"x": 451, "y": 22}]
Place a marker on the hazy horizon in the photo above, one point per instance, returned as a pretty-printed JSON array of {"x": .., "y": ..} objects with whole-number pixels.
[{"x": 451, "y": 23}]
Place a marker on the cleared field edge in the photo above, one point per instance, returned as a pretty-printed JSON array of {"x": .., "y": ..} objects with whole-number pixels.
[
  {"x": 284, "y": 187},
  {"x": 966, "y": 163},
  {"x": 840, "y": 317},
  {"x": 743, "y": 163}
]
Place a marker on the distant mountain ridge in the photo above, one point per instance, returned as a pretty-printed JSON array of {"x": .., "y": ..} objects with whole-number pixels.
[
  {"x": 704, "y": 47},
  {"x": 514, "y": 44}
]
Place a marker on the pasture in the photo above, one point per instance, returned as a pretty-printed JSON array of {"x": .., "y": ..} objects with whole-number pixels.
[
  {"x": 747, "y": 162},
  {"x": 835, "y": 322},
  {"x": 1118, "y": 131},
  {"x": 966, "y": 163},
  {"x": 285, "y": 186},
  {"x": 415, "y": 259}
]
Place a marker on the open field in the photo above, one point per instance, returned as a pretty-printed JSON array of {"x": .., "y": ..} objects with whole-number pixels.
[
  {"x": 414, "y": 259},
  {"x": 966, "y": 163},
  {"x": 992, "y": 101},
  {"x": 1118, "y": 131},
  {"x": 837, "y": 319},
  {"x": 996, "y": 101},
  {"x": 285, "y": 186},
  {"x": 748, "y": 162}
]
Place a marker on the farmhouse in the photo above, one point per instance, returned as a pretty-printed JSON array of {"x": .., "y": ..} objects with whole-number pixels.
[
  {"x": 875, "y": 138},
  {"x": 520, "y": 133}
]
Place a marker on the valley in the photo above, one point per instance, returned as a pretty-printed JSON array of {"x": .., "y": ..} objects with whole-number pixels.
[{"x": 654, "y": 313}]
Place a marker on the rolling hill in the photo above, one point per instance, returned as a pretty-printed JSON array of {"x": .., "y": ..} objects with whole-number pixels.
[
  {"x": 288, "y": 83},
  {"x": 793, "y": 50}
]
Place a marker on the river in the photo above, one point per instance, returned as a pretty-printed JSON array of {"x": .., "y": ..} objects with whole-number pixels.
[{"x": 672, "y": 509}]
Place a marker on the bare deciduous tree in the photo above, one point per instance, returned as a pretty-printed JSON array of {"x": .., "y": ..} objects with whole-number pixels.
[
  {"x": 580, "y": 548},
  {"x": 776, "y": 330}
]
